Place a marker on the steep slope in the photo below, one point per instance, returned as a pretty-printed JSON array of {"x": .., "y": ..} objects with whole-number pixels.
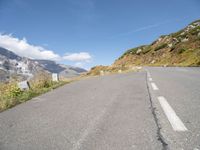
[
  {"x": 9, "y": 54},
  {"x": 177, "y": 49}
]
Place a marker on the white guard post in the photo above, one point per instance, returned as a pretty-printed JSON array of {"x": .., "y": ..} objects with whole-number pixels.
[
  {"x": 55, "y": 77},
  {"x": 24, "y": 85}
]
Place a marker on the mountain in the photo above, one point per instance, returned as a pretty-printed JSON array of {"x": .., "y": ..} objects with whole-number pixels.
[
  {"x": 13, "y": 66},
  {"x": 177, "y": 49},
  {"x": 16, "y": 67},
  {"x": 63, "y": 70}
]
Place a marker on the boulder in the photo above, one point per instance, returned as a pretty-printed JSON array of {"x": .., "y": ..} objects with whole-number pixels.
[
  {"x": 185, "y": 40},
  {"x": 153, "y": 61},
  {"x": 170, "y": 45},
  {"x": 138, "y": 51}
]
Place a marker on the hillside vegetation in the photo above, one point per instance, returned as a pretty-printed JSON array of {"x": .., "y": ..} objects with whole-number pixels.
[
  {"x": 11, "y": 95},
  {"x": 177, "y": 49}
]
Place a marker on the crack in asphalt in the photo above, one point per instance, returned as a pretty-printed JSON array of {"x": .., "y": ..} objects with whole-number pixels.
[{"x": 161, "y": 139}]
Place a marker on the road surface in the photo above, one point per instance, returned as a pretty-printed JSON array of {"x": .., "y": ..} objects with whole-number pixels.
[{"x": 154, "y": 109}]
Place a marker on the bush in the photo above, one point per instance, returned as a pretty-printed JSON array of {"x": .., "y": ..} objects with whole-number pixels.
[
  {"x": 133, "y": 50},
  {"x": 181, "y": 50},
  {"x": 195, "y": 31},
  {"x": 146, "y": 50},
  {"x": 160, "y": 47}
]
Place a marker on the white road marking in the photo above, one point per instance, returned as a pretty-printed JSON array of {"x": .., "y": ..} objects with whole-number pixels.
[
  {"x": 154, "y": 86},
  {"x": 174, "y": 120},
  {"x": 150, "y": 79}
]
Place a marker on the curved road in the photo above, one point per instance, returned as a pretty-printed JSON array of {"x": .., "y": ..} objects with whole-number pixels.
[{"x": 154, "y": 109}]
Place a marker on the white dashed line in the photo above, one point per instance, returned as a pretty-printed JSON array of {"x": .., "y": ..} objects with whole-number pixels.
[
  {"x": 154, "y": 86},
  {"x": 174, "y": 120}
]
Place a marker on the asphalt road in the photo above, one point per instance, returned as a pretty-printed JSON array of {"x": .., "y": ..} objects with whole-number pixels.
[
  {"x": 115, "y": 112},
  {"x": 181, "y": 88}
]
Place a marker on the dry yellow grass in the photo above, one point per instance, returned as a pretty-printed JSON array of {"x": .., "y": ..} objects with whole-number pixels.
[{"x": 11, "y": 95}]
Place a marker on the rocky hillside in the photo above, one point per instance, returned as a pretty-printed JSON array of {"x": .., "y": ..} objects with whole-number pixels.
[
  {"x": 16, "y": 67},
  {"x": 177, "y": 49}
]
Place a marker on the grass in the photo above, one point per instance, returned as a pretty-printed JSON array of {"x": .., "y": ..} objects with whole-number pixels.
[
  {"x": 107, "y": 70},
  {"x": 11, "y": 95}
]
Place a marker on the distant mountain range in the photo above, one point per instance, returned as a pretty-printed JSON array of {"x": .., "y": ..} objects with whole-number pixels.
[
  {"x": 13, "y": 66},
  {"x": 177, "y": 49}
]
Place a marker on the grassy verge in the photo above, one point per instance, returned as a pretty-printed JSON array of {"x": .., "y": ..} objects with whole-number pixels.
[
  {"x": 11, "y": 95},
  {"x": 106, "y": 70}
]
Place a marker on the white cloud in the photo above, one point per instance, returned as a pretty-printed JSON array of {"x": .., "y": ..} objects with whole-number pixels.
[
  {"x": 82, "y": 56},
  {"x": 23, "y": 48},
  {"x": 79, "y": 64}
]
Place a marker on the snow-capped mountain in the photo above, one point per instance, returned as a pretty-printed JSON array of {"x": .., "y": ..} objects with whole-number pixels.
[{"x": 14, "y": 66}]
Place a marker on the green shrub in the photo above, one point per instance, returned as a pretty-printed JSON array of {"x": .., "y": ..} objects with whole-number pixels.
[
  {"x": 160, "y": 47},
  {"x": 146, "y": 50},
  {"x": 132, "y": 51},
  {"x": 195, "y": 31},
  {"x": 181, "y": 50}
]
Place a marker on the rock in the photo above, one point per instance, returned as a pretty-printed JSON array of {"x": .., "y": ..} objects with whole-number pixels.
[
  {"x": 170, "y": 45},
  {"x": 153, "y": 61},
  {"x": 175, "y": 41},
  {"x": 138, "y": 67},
  {"x": 182, "y": 33},
  {"x": 101, "y": 72},
  {"x": 119, "y": 71},
  {"x": 198, "y": 34},
  {"x": 159, "y": 39},
  {"x": 197, "y": 23},
  {"x": 185, "y": 40},
  {"x": 138, "y": 51},
  {"x": 165, "y": 65}
]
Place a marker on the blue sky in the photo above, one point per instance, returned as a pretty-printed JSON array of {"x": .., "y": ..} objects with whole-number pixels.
[{"x": 89, "y": 32}]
